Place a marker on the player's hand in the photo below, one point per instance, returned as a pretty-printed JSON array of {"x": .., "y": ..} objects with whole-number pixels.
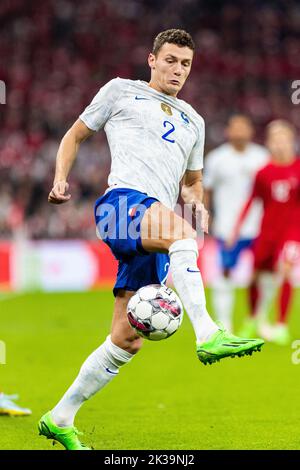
[
  {"x": 58, "y": 194},
  {"x": 200, "y": 211}
]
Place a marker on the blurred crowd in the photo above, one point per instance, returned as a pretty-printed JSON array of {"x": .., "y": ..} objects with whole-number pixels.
[{"x": 56, "y": 54}]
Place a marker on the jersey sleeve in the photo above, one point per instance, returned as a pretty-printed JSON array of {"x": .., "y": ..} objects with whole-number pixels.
[
  {"x": 195, "y": 161},
  {"x": 97, "y": 113}
]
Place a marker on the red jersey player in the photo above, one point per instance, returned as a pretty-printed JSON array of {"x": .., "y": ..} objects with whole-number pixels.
[{"x": 277, "y": 248}]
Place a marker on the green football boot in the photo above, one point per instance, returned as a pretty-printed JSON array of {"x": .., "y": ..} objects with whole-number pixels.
[
  {"x": 224, "y": 344},
  {"x": 68, "y": 436}
]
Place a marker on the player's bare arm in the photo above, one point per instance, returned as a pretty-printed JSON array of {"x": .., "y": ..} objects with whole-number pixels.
[
  {"x": 207, "y": 198},
  {"x": 208, "y": 204},
  {"x": 66, "y": 156},
  {"x": 192, "y": 193}
]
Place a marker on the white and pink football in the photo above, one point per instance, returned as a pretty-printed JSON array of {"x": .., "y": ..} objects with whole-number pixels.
[{"x": 155, "y": 312}]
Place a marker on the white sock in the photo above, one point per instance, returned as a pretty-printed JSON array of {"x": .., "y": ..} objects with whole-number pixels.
[
  {"x": 267, "y": 285},
  {"x": 222, "y": 297},
  {"x": 97, "y": 371},
  {"x": 188, "y": 283}
]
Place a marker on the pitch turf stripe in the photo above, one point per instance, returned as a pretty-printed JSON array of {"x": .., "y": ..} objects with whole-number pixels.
[{"x": 10, "y": 296}]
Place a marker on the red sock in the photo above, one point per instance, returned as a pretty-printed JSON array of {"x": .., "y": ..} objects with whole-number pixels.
[
  {"x": 253, "y": 297},
  {"x": 284, "y": 301}
]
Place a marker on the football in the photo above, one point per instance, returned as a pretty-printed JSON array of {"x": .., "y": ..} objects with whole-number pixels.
[{"x": 155, "y": 312}]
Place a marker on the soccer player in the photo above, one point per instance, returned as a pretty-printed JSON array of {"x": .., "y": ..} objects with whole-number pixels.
[
  {"x": 277, "y": 248},
  {"x": 155, "y": 140},
  {"x": 9, "y": 408},
  {"x": 228, "y": 178}
]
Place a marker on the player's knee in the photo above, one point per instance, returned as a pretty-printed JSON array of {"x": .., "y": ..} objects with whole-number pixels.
[
  {"x": 179, "y": 233},
  {"x": 188, "y": 234},
  {"x": 183, "y": 232}
]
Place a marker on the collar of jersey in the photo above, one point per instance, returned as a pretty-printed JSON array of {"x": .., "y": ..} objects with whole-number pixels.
[{"x": 162, "y": 95}]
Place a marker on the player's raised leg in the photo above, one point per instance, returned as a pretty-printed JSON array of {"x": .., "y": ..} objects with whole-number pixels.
[
  {"x": 98, "y": 370},
  {"x": 163, "y": 230}
]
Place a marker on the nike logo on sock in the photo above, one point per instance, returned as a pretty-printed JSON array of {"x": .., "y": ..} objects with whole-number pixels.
[
  {"x": 141, "y": 98},
  {"x": 189, "y": 270},
  {"x": 111, "y": 371}
]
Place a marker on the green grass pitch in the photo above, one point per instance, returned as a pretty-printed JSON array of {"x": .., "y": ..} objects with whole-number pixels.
[{"x": 164, "y": 399}]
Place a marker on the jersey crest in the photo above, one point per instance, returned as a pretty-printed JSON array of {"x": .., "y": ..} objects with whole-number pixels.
[{"x": 166, "y": 109}]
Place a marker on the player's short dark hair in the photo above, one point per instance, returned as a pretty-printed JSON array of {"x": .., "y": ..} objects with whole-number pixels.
[{"x": 173, "y": 36}]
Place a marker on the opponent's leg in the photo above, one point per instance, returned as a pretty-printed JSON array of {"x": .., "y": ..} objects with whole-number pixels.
[
  {"x": 261, "y": 289},
  {"x": 253, "y": 294},
  {"x": 261, "y": 292},
  {"x": 223, "y": 299},
  {"x": 280, "y": 334},
  {"x": 285, "y": 300},
  {"x": 174, "y": 235},
  {"x": 267, "y": 286},
  {"x": 223, "y": 292},
  {"x": 96, "y": 372}
]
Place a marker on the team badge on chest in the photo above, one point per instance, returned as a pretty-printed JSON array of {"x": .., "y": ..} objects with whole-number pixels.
[{"x": 166, "y": 109}]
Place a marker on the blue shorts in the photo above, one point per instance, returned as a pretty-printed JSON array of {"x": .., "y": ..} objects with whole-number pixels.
[
  {"x": 230, "y": 257},
  {"x": 118, "y": 215}
]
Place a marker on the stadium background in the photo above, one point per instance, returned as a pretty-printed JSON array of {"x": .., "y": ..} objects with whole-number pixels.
[{"x": 54, "y": 57}]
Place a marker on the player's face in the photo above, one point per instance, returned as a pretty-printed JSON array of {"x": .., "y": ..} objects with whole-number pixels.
[
  {"x": 239, "y": 131},
  {"x": 170, "y": 68},
  {"x": 281, "y": 143}
]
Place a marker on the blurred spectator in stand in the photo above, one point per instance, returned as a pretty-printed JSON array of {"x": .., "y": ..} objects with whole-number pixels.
[{"x": 56, "y": 54}]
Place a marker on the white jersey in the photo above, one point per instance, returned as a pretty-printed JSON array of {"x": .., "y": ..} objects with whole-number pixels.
[
  {"x": 230, "y": 175},
  {"x": 153, "y": 137}
]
